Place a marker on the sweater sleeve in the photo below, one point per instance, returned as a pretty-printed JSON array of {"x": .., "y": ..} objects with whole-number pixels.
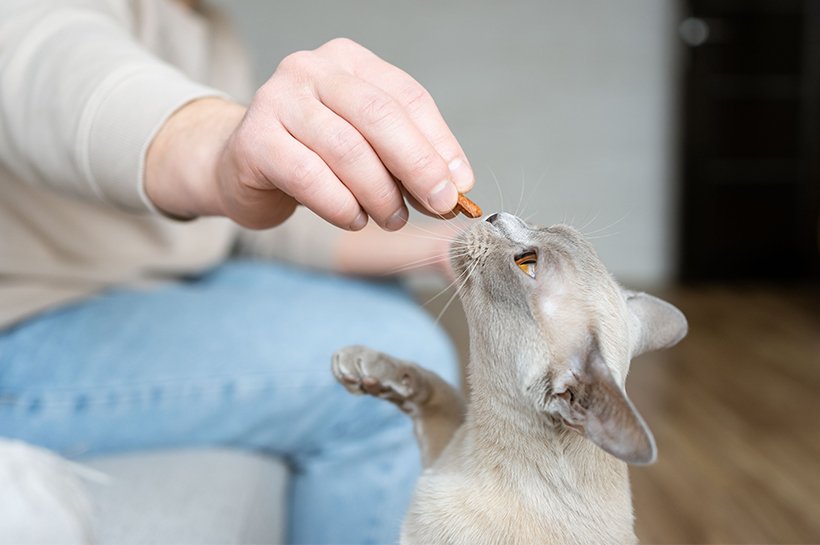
[{"x": 81, "y": 99}]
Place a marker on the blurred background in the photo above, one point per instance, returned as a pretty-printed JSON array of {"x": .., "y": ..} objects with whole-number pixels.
[{"x": 683, "y": 138}]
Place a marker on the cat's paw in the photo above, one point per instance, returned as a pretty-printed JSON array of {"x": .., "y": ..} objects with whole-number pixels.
[{"x": 362, "y": 370}]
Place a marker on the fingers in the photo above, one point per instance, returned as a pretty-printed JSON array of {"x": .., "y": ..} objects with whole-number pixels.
[
  {"x": 411, "y": 200},
  {"x": 351, "y": 158},
  {"x": 298, "y": 171},
  {"x": 347, "y": 135},
  {"x": 399, "y": 143},
  {"x": 411, "y": 96},
  {"x": 423, "y": 111}
]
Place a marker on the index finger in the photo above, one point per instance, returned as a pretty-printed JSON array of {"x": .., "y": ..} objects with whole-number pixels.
[
  {"x": 399, "y": 143},
  {"x": 412, "y": 96}
]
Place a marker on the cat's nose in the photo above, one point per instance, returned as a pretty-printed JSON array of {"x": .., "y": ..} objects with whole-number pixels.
[{"x": 492, "y": 218}]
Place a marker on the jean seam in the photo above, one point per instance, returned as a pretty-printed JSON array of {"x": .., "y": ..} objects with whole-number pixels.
[{"x": 96, "y": 396}]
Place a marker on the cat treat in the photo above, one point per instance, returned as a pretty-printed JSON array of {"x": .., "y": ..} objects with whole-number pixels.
[{"x": 467, "y": 207}]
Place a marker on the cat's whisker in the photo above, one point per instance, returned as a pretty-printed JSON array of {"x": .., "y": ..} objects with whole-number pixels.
[
  {"x": 590, "y": 222},
  {"x": 520, "y": 195},
  {"x": 455, "y": 228},
  {"x": 418, "y": 231},
  {"x": 428, "y": 237},
  {"x": 457, "y": 291},
  {"x": 535, "y": 189},
  {"x": 439, "y": 255},
  {"x": 449, "y": 225},
  {"x": 429, "y": 260},
  {"x": 447, "y": 287},
  {"x": 500, "y": 192},
  {"x": 605, "y": 235},
  {"x": 610, "y": 226},
  {"x": 425, "y": 261}
]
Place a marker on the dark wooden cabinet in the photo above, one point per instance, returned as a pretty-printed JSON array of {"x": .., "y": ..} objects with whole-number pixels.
[{"x": 751, "y": 140}]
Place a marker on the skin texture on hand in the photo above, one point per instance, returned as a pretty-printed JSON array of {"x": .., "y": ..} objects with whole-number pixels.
[{"x": 336, "y": 129}]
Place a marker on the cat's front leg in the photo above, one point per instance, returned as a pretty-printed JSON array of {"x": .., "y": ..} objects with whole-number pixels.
[{"x": 436, "y": 408}]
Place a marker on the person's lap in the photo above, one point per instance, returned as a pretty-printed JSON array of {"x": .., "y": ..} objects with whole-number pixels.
[{"x": 238, "y": 357}]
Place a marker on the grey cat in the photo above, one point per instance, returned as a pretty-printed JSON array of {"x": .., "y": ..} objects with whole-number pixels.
[{"x": 539, "y": 454}]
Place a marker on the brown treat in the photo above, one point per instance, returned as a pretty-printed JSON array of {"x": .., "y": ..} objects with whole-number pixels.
[{"x": 467, "y": 207}]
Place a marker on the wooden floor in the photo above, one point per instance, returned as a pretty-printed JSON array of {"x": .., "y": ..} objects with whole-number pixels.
[
  {"x": 735, "y": 409},
  {"x": 736, "y": 412}
]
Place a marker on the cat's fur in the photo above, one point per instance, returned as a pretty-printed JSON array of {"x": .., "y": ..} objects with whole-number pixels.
[{"x": 539, "y": 454}]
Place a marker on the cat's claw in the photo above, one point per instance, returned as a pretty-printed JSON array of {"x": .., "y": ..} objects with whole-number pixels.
[{"x": 362, "y": 370}]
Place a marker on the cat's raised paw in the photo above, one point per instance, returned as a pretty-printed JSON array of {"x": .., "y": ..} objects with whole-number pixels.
[{"x": 362, "y": 370}]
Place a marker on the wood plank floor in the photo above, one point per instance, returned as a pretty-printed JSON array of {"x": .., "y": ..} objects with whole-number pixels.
[{"x": 735, "y": 409}]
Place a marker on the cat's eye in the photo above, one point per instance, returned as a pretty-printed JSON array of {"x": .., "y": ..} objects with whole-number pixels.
[{"x": 526, "y": 262}]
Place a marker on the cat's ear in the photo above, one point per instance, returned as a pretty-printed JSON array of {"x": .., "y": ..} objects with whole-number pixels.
[
  {"x": 659, "y": 324},
  {"x": 587, "y": 399}
]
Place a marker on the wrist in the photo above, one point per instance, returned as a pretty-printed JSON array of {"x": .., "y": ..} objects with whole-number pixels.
[{"x": 182, "y": 160}]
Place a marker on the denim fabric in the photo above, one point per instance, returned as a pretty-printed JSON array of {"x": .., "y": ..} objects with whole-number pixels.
[{"x": 238, "y": 357}]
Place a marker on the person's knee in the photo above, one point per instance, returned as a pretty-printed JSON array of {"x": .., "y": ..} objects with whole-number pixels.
[
  {"x": 439, "y": 354},
  {"x": 412, "y": 334},
  {"x": 388, "y": 320}
]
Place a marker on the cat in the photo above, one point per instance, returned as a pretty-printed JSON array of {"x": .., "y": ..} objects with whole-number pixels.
[{"x": 540, "y": 452}]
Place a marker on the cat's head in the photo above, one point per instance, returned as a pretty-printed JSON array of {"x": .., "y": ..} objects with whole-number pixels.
[{"x": 559, "y": 330}]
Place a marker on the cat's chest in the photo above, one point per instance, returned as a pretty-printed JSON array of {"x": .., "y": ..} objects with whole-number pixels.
[
  {"x": 458, "y": 507},
  {"x": 447, "y": 509}
]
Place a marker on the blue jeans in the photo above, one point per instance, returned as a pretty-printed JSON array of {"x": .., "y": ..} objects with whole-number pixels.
[{"x": 238, "y": 357}]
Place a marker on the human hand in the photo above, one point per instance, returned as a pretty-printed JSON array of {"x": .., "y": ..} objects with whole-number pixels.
[{"x": 336, "y": 129}]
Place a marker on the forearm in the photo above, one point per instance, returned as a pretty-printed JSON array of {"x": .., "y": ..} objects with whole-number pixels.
[{"x": 81, "y": 99}]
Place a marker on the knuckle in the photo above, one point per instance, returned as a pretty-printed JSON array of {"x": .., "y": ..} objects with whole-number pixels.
[
  {"x": 385, "y": 200},
  {"x": 416, "y": 98},
  {"x": 342, "y": 43},
  {"x": 346, "y": 217},
  {"x": 422, "y": 164},
  {"x": 343, "y": 215},
  {"x": 446, "y": 144},
  {"x": 297, "y": 61},
  {"x": 273, "y": 94},
  {"x": 305, "y": 174},
  {"x": 348, "y": 146},
  {"x": 379, "y": 110}
]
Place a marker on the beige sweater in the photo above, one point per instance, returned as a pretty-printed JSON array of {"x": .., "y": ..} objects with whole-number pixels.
[{"x": 84, "y": 86}]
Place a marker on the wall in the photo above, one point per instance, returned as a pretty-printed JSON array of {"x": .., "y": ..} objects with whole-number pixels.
[{"x": 568, "y": 103}]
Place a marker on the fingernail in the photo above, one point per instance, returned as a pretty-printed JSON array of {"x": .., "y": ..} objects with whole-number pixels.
[
  {"x": 443, "y": 197},
  {"x": 462, "y": 174},
  {"x": 397, "y": 220},
  {"x": 359, "y": 223}
]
